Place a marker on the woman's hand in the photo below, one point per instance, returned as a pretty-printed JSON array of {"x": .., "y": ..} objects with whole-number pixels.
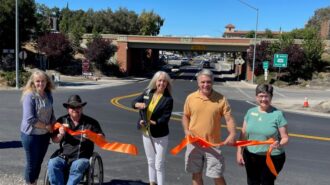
[
  {"x": 275, "y": 145},
  {"x": 152, "y": 122},
  {"x": 239, "y": 159},
  {"x": 49, "y": 128},
  {"x": 140, "y": 106},
  {"x": 142, "y": 123}
]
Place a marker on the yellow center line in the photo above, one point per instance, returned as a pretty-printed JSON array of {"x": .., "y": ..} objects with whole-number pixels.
[{"x": 115, "y": 102}]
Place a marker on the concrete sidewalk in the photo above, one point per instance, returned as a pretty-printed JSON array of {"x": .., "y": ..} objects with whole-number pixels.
[{"x": 80, "y": 82}]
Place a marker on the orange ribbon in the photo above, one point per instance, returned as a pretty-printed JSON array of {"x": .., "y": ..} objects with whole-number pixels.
[
  {"x": 203, "y": 143},
  {"x": 269, "y": 160},
  {"x": 100, "y": 141},
  {"x": 189, "y": 140}
]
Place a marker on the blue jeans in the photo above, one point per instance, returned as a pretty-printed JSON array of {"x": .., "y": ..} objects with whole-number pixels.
[
  {"x": 35, "y": 147},
  {"x": 57, "y": 167}
]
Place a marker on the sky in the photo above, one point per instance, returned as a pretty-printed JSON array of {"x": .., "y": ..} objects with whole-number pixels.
[{"x": 208, "y": 18}]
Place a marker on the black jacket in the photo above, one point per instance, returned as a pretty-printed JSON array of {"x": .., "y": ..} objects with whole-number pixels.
[{"x": 161, "y": 113}]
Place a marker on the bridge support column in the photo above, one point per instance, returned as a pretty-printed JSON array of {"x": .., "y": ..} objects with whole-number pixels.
[
  {"x": 123, "y": 59},
  {"x": 248, "y": 71}
]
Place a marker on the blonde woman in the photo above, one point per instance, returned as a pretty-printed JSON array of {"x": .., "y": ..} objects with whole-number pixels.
[
  {"x": 36, "y": 125},
  {"x": 155, "y": 105}
]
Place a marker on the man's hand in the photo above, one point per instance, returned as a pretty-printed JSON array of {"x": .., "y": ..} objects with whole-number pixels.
[
  {"x": 61, "y": 133},
  {"x": 61, "y": 130},
  {"x": 231, "y": 127},
  {"x": 188, "y": 133}
]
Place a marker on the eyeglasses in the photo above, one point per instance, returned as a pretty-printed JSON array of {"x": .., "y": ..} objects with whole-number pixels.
[{"x": 263, "y": 96}]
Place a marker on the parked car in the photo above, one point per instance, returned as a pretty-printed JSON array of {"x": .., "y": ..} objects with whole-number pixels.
[
  {"x": 185, "y": 62},
  {"x": 205, "y": 64}
]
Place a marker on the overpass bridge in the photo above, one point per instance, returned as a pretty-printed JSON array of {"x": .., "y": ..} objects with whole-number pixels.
[
  {"x": 135, "y": 51},
  {"x": 132, "y": 49}
]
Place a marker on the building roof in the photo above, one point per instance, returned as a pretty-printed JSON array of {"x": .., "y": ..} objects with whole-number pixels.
[
  {"x": 238, "y": 32},
  {"x": 230, "y": 26}
]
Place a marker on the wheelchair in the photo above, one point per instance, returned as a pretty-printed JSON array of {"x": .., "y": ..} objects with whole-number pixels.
[{"x": 92, "y": 176}]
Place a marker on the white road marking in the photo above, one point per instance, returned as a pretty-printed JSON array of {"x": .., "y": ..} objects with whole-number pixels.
[
  {"x": 244, "y": 93},
  {"x": 247, "y": 101}
]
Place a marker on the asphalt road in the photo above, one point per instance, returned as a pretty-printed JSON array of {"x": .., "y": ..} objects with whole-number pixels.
[{"x": 307, "y": 154}]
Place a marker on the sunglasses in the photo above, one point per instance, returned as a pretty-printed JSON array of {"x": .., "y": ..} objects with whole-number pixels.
[{"x": 73, "y": 107}]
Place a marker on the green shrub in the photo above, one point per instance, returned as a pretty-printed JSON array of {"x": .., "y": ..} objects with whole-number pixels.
[
  {"x": 10, "y": 78},
  {"x": 261, "y": 78},
  {"x": 272, "y": 79}
]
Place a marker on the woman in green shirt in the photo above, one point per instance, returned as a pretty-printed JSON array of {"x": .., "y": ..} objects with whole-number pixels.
[{"x": 262, "y": 123}]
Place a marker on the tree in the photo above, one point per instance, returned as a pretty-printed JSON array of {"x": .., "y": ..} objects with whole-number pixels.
[
  {"x": 297, "y": 33},
  {"x": 27, "y": 22},
  {"x": 250, "y": 34},
  {"x": 285, "y": 40},
  {"x": 303, "y": 59},
  {"x": 320, "y": 15},
  {"x": 89, "y": 21},
  {"x": 313, "y": 47},
  {"x": 65, "y": 20},
  {"x": 268, "y": 33},
  {"x": 125, "y": 22},
  {"x": 76, "y": 29},
  {"x": 102, "y": 21},
  {"x": 263, "y": 53},
  {"x": 57, "y": 48},
  {"x": 297, "y": 67},
  {"x": 99, "y": 51},
  {"x": 150, "y": 23}
]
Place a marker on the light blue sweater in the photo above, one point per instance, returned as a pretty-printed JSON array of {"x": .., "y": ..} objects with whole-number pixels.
[{"x": 36, "y": 108}]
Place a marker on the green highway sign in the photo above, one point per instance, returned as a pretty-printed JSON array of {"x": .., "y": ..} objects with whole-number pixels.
[
  {"x": 280, "y": 60},
  {"x": 265, "y": 65}
]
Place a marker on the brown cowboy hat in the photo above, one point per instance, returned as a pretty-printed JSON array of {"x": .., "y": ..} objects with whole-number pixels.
[{"x": 74, "y": 101}]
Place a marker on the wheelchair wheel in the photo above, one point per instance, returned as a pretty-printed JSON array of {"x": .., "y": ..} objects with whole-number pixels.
[
  {"x": 46, "y": 181},
  {"x": 95, "y": 172}
]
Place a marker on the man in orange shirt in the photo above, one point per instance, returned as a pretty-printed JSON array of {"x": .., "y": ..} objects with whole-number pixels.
[{"x": 202, "y": 115}]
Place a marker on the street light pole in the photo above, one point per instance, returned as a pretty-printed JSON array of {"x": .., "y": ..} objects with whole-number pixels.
[
  {"x": 255, "y": 37},
  {"x": 16, "y": 44},
  {"x": 254, "y": 49}
]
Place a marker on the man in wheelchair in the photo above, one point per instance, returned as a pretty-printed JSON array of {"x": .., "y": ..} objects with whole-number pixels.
[{"x": 75, "y": 151}]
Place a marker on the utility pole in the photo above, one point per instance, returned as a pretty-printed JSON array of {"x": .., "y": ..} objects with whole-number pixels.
[
  {"x": 255, "y": 37},
  {"x": 16, "y": 44}
]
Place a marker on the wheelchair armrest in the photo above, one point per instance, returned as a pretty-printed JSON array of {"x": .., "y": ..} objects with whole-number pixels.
[{"x": 56, "y": 153}]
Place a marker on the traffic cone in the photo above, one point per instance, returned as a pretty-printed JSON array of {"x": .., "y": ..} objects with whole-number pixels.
[{"x": 306, "y": 104}]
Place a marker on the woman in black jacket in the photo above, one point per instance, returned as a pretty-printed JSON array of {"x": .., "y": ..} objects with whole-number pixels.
[{"x": 155, "y": 106}]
